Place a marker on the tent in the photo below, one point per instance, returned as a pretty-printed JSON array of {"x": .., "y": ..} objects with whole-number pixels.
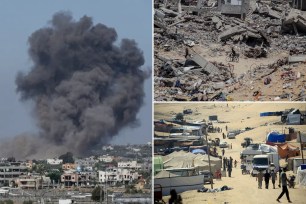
[
  {"x": 288, "y": 149},
  {"x": 158, "y": 164},
  {"x": 198, "y": 151},
  {"x": 267, "y": 148},
  {"x": 275, "y": 137},
  {"x": 301, "y": 177}
]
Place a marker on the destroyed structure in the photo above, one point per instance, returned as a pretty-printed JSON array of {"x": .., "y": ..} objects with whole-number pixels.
[{"x": 194, "y": 42}]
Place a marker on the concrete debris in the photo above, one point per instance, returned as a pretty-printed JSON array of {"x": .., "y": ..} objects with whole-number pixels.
[
  {"x": 297, "y": 58},
  {"x": 194, "y": 45}
]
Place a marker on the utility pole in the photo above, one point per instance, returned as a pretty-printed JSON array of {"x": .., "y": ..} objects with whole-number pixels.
[
  {"x": 301, "y": 145},
  {"x": 208, "y": 148}
]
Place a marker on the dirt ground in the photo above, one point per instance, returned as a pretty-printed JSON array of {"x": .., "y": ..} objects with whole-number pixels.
[
  {"x": 238, "y": 116},
  {"x": 243, "y": 91}
]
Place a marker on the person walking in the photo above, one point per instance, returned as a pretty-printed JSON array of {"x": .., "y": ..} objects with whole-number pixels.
[
  {"x": 224, "y": 163},
  {"x": 223, "y": 151},
  {"x": 273, "y": 178},
  {"x": 229, "y": 168},
  {"x": 284, "y": 180},
  {"x": 259, "y": 179},
  {"x": 267, "y": 178},
  {"x": 279, "y": 177}
]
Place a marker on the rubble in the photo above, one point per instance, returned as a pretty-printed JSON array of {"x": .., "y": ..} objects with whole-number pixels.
[{"x": 193, "y": 40}]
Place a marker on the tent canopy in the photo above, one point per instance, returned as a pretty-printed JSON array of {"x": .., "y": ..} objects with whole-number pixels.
[
  {"x": 274, "y": 137},
  {"x": 288, "y": 149}
]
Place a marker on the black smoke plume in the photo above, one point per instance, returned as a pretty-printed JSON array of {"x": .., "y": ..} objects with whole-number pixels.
[{"x": 85, "y": 86}]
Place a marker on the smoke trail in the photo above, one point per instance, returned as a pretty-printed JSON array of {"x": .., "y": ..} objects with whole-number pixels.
[{"x": 84, "y": 87}]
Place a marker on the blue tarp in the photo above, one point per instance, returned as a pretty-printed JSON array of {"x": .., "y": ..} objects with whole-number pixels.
[
  {"x": 278, "y": 113},
  {"x": 198, "y": 151},
  {"x": 276, "y": 137}
]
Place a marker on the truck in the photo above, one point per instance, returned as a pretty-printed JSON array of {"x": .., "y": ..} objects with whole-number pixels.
[{"x": 265, "y": 162}]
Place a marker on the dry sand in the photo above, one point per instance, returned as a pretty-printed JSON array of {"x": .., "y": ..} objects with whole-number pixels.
[{"x": 239, "y": 116}]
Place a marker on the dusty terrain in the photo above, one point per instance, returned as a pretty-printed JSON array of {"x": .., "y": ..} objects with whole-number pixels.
[{"x": 238, "y": 116}]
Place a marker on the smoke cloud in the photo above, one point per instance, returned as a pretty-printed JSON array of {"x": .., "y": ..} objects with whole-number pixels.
[{"x": 85, "y": 87}]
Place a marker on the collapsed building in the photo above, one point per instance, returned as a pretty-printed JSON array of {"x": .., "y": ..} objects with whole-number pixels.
[{"x": 193, "y": 41}]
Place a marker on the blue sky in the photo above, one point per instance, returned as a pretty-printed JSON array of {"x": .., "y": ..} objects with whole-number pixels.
[{"x": 18, "y": 19}]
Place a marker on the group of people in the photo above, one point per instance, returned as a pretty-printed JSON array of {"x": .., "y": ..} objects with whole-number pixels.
[
  {"x": 228, "y": 164},
  {"x": 283, "y": 181},
  {"x": 266, "y": 177}
]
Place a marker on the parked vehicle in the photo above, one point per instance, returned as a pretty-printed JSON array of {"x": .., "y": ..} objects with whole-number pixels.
[
  {"x": 247, "y": 142},
  {"x": 232, "y": 134},
  {"x": 208, "y": 177},
  {"x": 265, "y": 162},
  {"x": 223, "y": 144}
]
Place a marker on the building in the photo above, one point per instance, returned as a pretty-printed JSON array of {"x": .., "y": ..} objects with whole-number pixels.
[
  {"x": 29, "y": 165},
  {"x": 129, "y": 165},
  {"x": 69, "y": 166},
  {"x": 299, "y": 4},
  {"x": 32, "y": 182},
  {"x": 70, "y": 179},
  {"x": 106, "y": 158},
  {"x": 238, "y": 8},
  {"x": 87, "y": 162},
  {"x": 9, "y": 173},
  {"x": 54, "y": 161},
  {"x": 117, "y": 175},
  {"x": 77, "y": 179}
]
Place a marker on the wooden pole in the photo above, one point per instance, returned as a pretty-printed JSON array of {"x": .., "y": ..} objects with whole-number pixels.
[
  {"x": 208, "y": 148},
  {"x": 301, "y": 145}
]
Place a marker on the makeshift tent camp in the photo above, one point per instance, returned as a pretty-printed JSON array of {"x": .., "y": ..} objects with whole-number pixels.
[
  {"x": 183, "y": 159},
  {"x": 275, "y": 137},
  {"x": 288, "y": 149}
]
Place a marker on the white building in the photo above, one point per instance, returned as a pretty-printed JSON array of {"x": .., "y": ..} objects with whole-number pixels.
[
  {"x": 106, "y": 158},
  {"x": 107, "y": 148},
  {"x": 114, "y": 175},
  {"x": 54, "y": 161},
  {"x": 129, "y": 165}
]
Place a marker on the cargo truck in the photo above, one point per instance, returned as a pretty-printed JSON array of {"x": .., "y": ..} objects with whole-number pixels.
[{"x": 265, "y": 162}]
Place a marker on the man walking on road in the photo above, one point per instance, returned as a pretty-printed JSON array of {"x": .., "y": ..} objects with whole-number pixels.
[
  {"x": 229, "y": 168},
  {"x": 273, "y": 178},
  {"x": 259, "y": 179},
  {"x": 284, "y": 181},
  {"x": 267, "y": 178}
]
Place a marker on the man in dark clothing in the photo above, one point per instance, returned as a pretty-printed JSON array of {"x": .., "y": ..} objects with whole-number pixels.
[
  {"x": 267, "y": 178},
  {"x": 223, "y": 151},
  {"x": 175, "y": 198},
  {"x": 284, "y": 181},
  {"x": 229, "y": 168},
  {"x": 273, "y": 178}
]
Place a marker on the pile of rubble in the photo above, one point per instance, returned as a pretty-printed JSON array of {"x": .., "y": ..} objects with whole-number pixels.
[{"x": 182, "y": 73}]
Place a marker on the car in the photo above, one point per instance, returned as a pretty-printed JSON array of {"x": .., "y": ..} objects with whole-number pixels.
[
  {"x": 232, "y": 134},
  {"x": 223, "y": 144},
  {"x": 208, "y": 177}
]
